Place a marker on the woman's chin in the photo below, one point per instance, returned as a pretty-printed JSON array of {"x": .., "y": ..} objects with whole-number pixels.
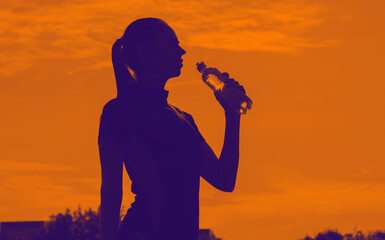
[
  {"x": 176, "y": 73},
  {"x": 174, "y": 76}
]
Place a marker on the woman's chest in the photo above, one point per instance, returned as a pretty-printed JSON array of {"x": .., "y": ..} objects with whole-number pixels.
[{"x": 171, "y": 140}]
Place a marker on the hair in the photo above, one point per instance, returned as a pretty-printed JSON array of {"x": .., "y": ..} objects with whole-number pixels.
[{"x": 141, "y": 32}]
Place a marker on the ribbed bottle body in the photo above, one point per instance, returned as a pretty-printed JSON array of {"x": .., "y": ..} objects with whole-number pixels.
[{"x": 233, "y": 96}]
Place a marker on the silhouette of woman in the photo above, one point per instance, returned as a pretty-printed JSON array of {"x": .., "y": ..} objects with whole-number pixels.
[{"x": 160, "y": 146}]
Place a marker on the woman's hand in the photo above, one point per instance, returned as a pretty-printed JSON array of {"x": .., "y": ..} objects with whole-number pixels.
[{"x": 229, "y": 82}]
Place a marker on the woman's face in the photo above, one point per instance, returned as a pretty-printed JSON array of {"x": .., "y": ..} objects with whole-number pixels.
[{"x": 164, "y": 57}]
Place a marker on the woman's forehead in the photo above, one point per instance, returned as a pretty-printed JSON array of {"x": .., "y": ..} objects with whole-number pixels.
[
  {"x": 165, "y": 36},
  {"x": 170, "y": 33}
]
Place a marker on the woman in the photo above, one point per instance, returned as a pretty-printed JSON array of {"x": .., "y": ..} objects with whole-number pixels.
[{"x": 161, "y": 147}]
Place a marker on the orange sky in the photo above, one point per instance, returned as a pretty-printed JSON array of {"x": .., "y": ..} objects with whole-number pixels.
[{"x": 312, "y": 148}]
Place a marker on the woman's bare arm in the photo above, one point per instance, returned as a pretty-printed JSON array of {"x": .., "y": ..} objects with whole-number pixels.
[
  {"x": 222, "y": 173},
  {"x": 111, "y": 160}
]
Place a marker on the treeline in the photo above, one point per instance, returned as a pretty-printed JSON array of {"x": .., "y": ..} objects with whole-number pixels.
[
  {"x": 358, "y": 235},
  {"x": 76, "y": 225},
  {"x": 84, "y": 225}
]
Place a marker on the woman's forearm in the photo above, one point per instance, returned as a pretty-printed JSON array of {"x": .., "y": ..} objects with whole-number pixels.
[
  {"x": 229, "y": 158},
  {"x": 109, "y": 214}
]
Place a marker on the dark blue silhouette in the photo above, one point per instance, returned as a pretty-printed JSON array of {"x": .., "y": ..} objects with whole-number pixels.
[{"x": 161, "y": 147}]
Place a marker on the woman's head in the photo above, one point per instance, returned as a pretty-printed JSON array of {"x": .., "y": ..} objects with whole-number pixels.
[{"x": 151, "y": 46}]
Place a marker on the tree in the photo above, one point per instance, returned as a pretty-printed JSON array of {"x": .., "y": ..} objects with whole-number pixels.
[
  {"x": 76, "y": 226},
  {"x": 358, "y": 235}
]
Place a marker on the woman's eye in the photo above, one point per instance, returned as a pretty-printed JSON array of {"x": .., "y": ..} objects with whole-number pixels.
[{"x": 174, "y": 44}]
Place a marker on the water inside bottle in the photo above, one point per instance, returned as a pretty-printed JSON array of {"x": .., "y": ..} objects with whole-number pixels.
[{"x": 216, "y": 83}]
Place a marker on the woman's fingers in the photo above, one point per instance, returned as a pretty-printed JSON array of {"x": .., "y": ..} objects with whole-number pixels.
[
  {"x": 232, "y": 83},
  {"x": 242, "y": 89},
  {"x": 225, "y": 76}
]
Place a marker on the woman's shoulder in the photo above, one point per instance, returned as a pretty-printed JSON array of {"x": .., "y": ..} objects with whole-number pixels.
[
  {"x": 117, "y": 108},
  {"x": 116, "y": 120},
  {"x": 119, "y": 112},
  {"x": 111, "y": 106}
]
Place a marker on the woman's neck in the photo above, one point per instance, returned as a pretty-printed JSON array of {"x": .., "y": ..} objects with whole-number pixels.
[{"x": 151, "y": 80}]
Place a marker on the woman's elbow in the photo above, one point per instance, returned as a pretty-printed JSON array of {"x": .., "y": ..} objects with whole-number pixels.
[
  {"x": 227, "y": 183},
  {"x": 228, "y": 188},
  {"x": 225, "y": 186}
]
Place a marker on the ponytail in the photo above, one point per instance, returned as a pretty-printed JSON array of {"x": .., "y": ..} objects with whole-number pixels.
[{"x": 124, "y": 78}]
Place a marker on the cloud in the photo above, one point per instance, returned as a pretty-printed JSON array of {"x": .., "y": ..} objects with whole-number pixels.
[
  {"x": 40, "y": 189},
  {"x": 37, "y": 197},
  {"x": 34, "y": 191},
  {"x": 298, "y": 208},
  {"x": 269, "y": 27},
  {"x": 87, "y": 29},
  {"x": 264, "y": 41},
  {"x": 315, "y": 197},
  {"x": 371, "y": 170},
  {"x": 8, "y": 166}
]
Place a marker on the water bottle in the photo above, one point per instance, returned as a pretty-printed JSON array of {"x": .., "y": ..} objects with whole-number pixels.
[{"x": 233, "y": 96}]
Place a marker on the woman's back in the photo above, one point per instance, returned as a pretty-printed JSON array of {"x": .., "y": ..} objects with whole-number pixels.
[{"x": 158, "y": 139}]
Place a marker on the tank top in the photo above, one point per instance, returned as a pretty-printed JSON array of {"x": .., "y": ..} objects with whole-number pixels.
[{"x": 173, "y": 140}]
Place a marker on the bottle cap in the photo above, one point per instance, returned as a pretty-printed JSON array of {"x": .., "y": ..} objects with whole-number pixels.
[{"x": 201, "y": 66}]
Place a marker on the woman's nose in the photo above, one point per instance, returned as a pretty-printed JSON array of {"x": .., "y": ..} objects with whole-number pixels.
[{"x": 183, "y": 52}]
